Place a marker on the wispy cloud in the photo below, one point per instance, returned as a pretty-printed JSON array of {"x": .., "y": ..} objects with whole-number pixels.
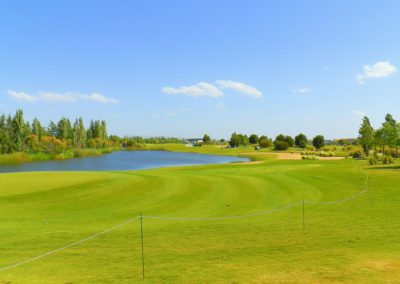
[
  {"x": 359, "y": 113},
  {"x": 67, "y": 97},
  {"x": 240, "y": 88},
  {"x": 204, "y": 89},
  {"x": 378, "y": 70},
  {"x": 304, "y": 90},
  {"x": 201, "y": 89}
]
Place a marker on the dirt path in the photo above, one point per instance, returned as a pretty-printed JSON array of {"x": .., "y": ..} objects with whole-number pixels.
[{"x": 296, "y": 156}]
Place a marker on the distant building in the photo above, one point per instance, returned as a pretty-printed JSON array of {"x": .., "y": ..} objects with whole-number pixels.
[{"x": 190, "y": 142}]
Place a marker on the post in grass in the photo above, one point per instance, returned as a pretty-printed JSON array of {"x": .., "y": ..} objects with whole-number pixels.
[
  {"x": 141, "y": 237},
  {"x": 303, "y": 218}
]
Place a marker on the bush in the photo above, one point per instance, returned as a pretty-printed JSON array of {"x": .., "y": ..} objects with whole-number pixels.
[
  {"x": 309, "y": 157},
  {"x": 265, "y": 143},
  {"x": 326, "y": 154},
  {"x": 281, "y": 145},
  {"x": 387, "y": 159},
  {"x": 357, "y": 154},
  {"x": 372, "y": 161}
]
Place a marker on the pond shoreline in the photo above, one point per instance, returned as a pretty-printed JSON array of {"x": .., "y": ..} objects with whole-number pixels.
[{"x": 123, "y": 160}]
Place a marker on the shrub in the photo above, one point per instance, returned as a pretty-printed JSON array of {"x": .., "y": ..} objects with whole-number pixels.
[
  {"x": 357, "y": 154},
  {"x": 265, "y": 143},
  {"x": 372, "y": 161},
  {"x": 387, "y": 159},
  {"x": 309, "y": 157},
  {"x": 281, "y": 145}
]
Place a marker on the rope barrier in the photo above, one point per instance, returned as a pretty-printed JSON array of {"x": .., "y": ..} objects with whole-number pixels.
[
  {"x": 261, "y": 213},
  {"x": 68, "y": 246},
  {"x": 338, "y": 201}
]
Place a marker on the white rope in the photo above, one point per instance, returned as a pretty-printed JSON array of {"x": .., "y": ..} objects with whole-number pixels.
[
  {"x": 68, "y": 246},
  {"x": 345, "y": 199},
  {"x": 339, "y": 201}
]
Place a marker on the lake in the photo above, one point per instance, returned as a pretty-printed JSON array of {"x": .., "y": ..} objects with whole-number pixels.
[{"x": 123, "y": 160}]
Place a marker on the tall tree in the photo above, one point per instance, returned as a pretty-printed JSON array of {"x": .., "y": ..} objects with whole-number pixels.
[
  {"x": 104, "y": 129},
  {"x": 37, "y": 128},
  {"x": 366, "y": 135},
  {"x": 301, "y": 141},
  {"x": 253, "y": 139},
  {"x": 206, "y": 139},
  {"x": 318, "y": 141},
  {"x": 389, "y": 132},
  {"x": 64, "y": 129},
  {"x": 18, "y": 129}
]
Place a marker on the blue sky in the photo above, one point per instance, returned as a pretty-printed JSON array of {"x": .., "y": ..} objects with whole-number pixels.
[{"x": 185, "y": 68}]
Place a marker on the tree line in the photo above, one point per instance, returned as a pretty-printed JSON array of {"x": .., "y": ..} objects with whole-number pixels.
[
  {"x": 19, "y": 135},
  {"x": 281, "y": 142}
]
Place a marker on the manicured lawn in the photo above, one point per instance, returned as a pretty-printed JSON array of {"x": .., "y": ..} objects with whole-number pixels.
[{"x": 348, "y": 242}]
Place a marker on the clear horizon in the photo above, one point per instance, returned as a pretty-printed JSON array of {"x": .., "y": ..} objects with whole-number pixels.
[{"x": 185, "y": 69}]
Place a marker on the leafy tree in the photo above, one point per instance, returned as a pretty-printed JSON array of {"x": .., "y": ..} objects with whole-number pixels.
[
  {"x": 301, "y": 141},
  {"x": 104, "y": 130},
  {"x": 253, "y": 139},
  {"x": 79, "y": 133},
  {"x": 366, "y": 135},
  {"x": 64, "y": 130},
  {"x": 206, "y": 139},
  {"x": 289, "y": 140},
  {"x": 18, "y": 129},
  {"x": 244, "y": 140},
  {"x": 390, "y": 132},
  {"x": 238, "y": 140},
  {"x": 280, "y": 137},
  {"x": 37, "y": 128},
  {"x": 281, "y": 145},
  {"x": 234, "y": 141},
  {"x": 52, "y": 129},
  {"x": 318, "y": 141},
  {"x": 265, "y": 142}
]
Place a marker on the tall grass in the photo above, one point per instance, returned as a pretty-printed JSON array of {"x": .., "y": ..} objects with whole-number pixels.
[{"x": 23, "y": 157}]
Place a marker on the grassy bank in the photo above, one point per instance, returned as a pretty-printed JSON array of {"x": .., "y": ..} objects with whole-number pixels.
[
  {"x": 23, "y": 157},
  {"x": 348, "y": 242}
]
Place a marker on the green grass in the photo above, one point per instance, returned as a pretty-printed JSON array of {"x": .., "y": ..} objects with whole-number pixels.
[{"x": 348, "y": 242}]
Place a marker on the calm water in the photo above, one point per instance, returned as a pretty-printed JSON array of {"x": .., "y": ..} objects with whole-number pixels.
[{"x": 123, "y": 161}]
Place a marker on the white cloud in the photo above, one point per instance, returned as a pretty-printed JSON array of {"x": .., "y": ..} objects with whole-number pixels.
[
  {"x": 378, "y": 70},
  {"x": 99, "y": 98},
  {"x": 170, "y": 113},
  {"x": 21, "y": 96},
  {"x": 304, "y": 90},
  {"x": 359, "y": 113},
  {"x": 201, "y": 89},
  {"x": 68, "y": 97},
  {"x": 240, "y": 88}
]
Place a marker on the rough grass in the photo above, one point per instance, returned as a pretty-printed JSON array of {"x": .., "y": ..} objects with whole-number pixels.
[
  {"x": 24, "y": 157},
  {"x": 348, "y": 242}
]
